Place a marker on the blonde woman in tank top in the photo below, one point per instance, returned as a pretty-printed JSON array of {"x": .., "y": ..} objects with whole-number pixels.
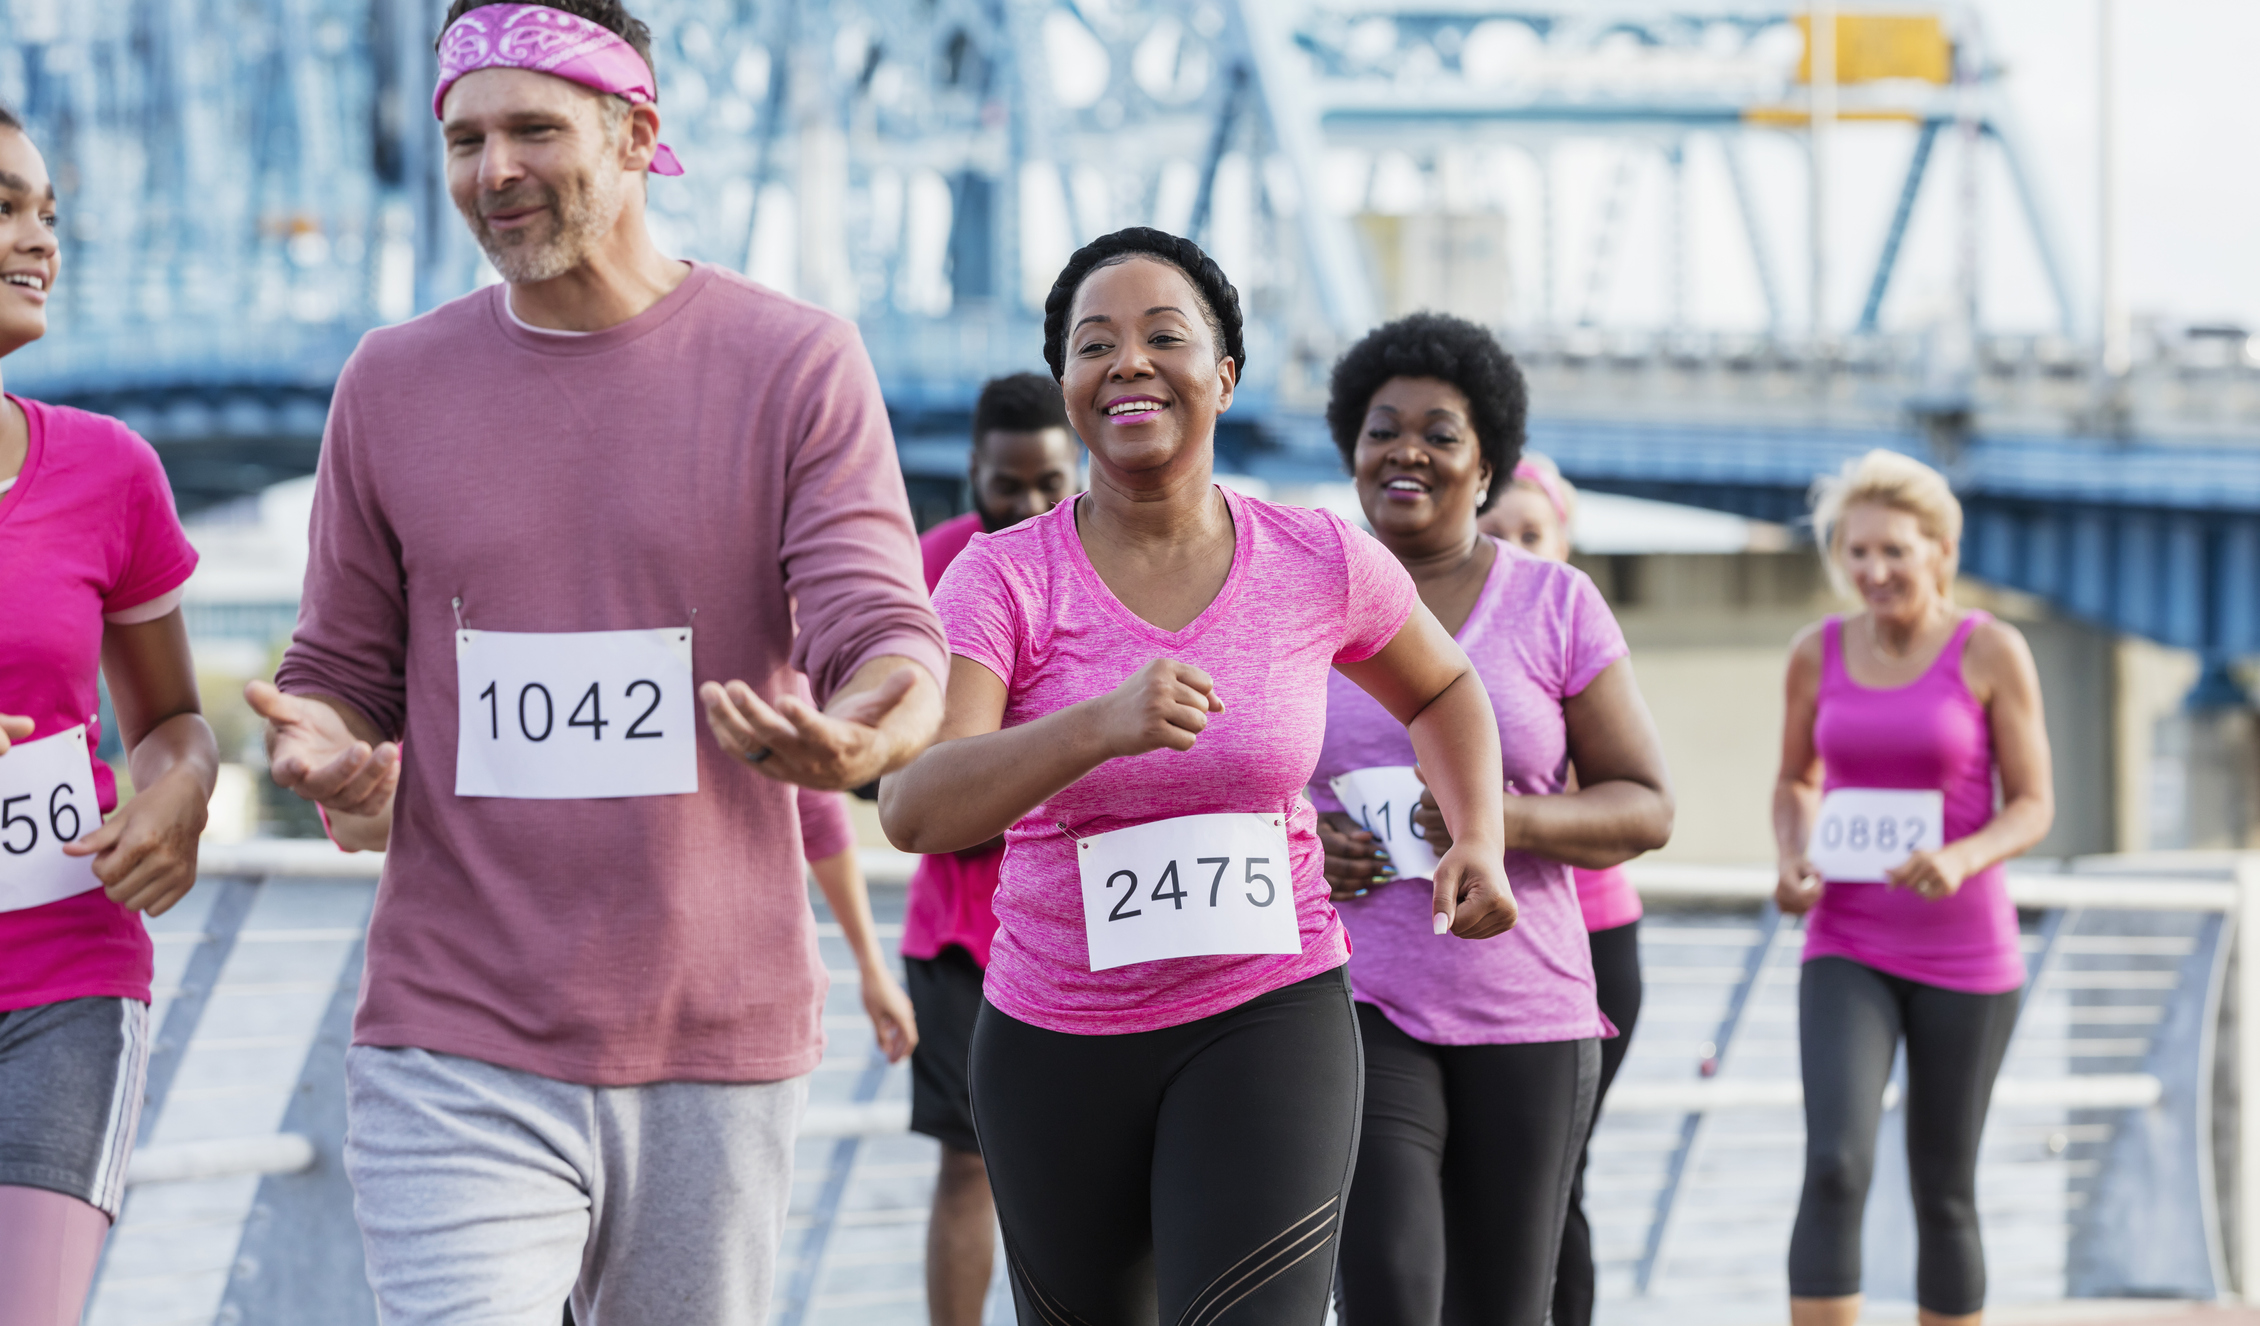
[{"x": 1901, "y": 720}]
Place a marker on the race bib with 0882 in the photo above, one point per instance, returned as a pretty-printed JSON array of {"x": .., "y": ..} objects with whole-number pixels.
[
  {"x": 1864, "y": 831},
  {"x": 46, "y": 800},
  {"x": 1192, "y": 886},
  {"x": 556, "y": 715}
]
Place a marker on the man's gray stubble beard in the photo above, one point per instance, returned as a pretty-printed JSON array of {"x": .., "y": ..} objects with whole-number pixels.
[{"x": 528, "y": 261}]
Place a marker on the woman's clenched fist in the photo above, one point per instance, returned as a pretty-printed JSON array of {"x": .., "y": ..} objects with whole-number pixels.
[{"x": 1164, "y": 705}]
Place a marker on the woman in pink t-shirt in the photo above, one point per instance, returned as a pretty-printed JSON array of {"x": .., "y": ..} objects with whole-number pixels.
[
  {"x": 1901, "y": 721},
  {"x": 1473, "y": 1038},
  {"x": 1535, "y": 514},
  {"x": 1166, "y": 1068},
  {"x": 94, "y": 561}
]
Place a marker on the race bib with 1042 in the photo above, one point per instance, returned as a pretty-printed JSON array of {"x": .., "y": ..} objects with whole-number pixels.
[
  {"x": 1192, "y": 886},
  {"x": 1864, "y": 831},
  {"x": 1382, "y": 800},
  {"x": 46, "y": 800},
  {"x": 553, "y": 715}
]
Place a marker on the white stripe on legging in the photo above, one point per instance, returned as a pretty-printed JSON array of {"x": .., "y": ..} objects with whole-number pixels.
[{"x": 108, "y": 1189}]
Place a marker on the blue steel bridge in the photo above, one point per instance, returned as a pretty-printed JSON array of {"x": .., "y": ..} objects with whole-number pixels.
[{"x": 250, "y": 185}]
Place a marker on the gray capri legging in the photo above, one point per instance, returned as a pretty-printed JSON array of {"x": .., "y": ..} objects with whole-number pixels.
[{"x": 1850, "y": 1019}]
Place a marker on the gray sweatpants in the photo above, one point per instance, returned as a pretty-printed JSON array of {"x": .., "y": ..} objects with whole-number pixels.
[{"x": 485, "y": 1195}]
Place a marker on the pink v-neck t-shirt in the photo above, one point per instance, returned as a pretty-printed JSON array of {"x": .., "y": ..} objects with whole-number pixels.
[
  {"x": 87, "y": 533},
  {"x": 1305, "y": 592},
  {"x": 1539, "y": 634}
]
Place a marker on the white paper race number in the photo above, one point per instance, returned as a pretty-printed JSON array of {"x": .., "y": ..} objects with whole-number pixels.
[
  {"x": 563, "y": 714},
  {"x": 1187, "y": 887},
  {"x": 46, "y": 800},
  {"x": 1382, "y": 799},
  {"x": 1864, "y": 831}
]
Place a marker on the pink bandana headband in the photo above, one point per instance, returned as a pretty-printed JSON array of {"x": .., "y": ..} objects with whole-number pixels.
[
  {"x": 1525, "y": 472},
  {"x": 547, "y": 41}
]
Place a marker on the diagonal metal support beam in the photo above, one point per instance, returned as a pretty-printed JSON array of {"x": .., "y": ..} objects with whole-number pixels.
[
  {"x": 1761, "y": 254},
  {"x": 1225, "y": 119},
  {"x": 1683, "y": 1156},
  {"x": 231, "y": 903},
  {"x": 1897, "y": 235},
  {"x": 799, "y": 1305}
]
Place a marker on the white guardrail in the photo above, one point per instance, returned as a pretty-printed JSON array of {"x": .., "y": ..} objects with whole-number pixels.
[{"x": 2227, "y": 884}]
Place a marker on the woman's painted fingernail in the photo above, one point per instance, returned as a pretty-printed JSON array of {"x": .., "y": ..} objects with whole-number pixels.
[
  {"x": 1379, "y": 853},
  {"x": 1359, "y": 894},
  {"x": 1443, "y": 923}
]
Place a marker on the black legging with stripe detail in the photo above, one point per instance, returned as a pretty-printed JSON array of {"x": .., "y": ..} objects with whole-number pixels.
[{"x": 1190, "y": 1176}]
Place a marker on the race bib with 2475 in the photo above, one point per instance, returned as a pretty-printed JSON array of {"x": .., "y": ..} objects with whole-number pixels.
[{"x": 1191, "y": 886}]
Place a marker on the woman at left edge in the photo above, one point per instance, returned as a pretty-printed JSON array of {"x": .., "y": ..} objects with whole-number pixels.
[{"x": 92, "y": 560}]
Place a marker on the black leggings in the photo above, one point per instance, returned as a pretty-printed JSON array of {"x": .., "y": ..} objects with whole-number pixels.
[
  {"x": 1189, "y": 1175},
  {"x": 1463, "y": 1176},
  {"x": 1849, "y": 1021},
  {"x": 1616, "y": 984}
]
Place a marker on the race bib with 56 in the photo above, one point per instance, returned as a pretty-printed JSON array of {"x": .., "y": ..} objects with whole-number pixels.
[
  {"x": 1382, "y": 800},
  {"x": 554, "y": 715},
  {"x": 1864, "y": 831},
  {"x": 1188, "y": 887},
  {"x": 46, "y": 800}
]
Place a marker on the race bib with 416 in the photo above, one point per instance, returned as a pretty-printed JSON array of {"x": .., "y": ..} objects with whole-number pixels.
[
  {"x": 1865, "y": 831},
  {"x": 46, "y": 800},
  {"x": 1382, "y": 799},
  {"x": 555, "y": 715},
  {"x": 1192, "y": 886}
]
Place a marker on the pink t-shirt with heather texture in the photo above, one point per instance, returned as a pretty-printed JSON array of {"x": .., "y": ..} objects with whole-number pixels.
[
  {"x": 1539, "y": 634},
  {"x": 1305, "y": 592},
  {"x": 86, "y": 533},
  {"x": 950, "y": 892}
]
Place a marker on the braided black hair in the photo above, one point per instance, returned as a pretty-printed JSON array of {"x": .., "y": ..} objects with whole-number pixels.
[
  {"x": 1220, "y": 303},
  {"x": 1454, "y": 350}
]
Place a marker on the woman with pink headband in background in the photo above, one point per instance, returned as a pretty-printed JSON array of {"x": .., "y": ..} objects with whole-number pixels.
[
  {"x": 1483, "y": 1057},
  {"x": 1536, "y": 514}
]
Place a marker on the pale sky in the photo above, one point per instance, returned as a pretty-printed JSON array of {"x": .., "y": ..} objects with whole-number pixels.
[
  {"x": 2190, "y": 172},
  {"x": 2190, "y": 141}
]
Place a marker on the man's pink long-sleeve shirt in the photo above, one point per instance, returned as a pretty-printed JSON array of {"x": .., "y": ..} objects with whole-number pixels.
[{"x": 727, "y": 452}]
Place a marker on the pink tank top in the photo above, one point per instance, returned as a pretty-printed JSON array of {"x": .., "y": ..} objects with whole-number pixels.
[
  {"x": 1930, "y": 734},
  {"x": 1607, "y": 898}
]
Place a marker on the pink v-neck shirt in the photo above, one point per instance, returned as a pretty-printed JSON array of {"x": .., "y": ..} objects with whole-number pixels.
[
  {"x": 1305, "y": 592},
  {"x": 725, "y": 452},
  {"x": 88, "y": 531},
  {"x": 1539, "y": 634}
]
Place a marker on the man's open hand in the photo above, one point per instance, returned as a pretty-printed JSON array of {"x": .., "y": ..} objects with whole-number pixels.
[
  {"x": 312, "y": 752},
  {"x": 846, "y": 744}
]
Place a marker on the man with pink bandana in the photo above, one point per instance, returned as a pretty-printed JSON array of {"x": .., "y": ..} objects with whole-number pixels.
[{"x": 555, "y": 520}]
